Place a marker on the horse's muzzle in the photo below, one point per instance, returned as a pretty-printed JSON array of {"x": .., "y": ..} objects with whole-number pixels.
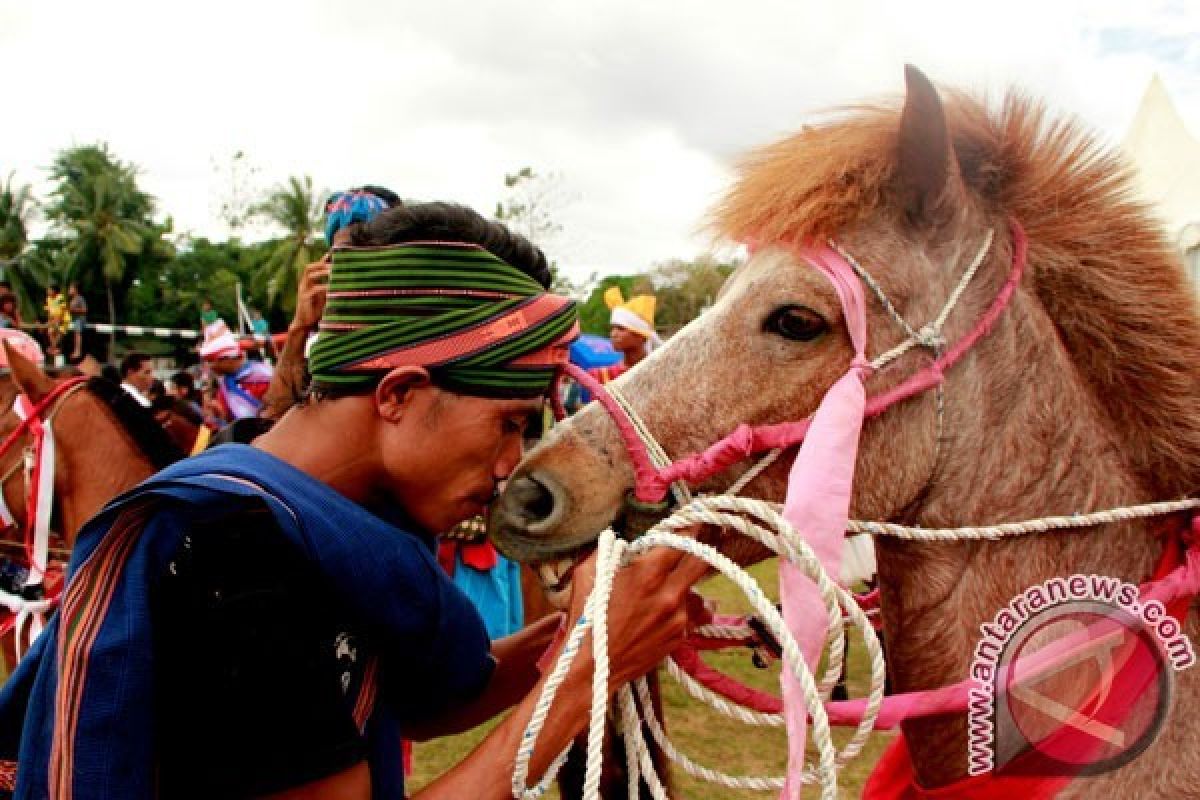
[{"x": 525, "y": 522}]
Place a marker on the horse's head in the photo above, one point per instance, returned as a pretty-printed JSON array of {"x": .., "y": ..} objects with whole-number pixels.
[
  {"x": 104, "y": 443},
  {"x": 889, "y": 188}
]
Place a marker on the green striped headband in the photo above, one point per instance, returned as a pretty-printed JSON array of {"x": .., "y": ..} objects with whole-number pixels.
[{"x": 478, "y": 324}]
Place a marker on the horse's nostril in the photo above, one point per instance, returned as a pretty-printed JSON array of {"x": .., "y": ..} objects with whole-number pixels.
[{"x": 531, "y": 499}]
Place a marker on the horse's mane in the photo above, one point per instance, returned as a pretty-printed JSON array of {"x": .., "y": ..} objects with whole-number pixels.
[
  {"x": 1099, "y": 262},
  {"x": 138, "y": 422}
]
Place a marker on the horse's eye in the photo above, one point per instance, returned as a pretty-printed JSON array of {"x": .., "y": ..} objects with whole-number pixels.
[{"x": 799, "y": 323}]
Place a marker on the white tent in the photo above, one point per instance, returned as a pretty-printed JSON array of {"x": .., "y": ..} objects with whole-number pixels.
[{"x": 1167, "y": 161}]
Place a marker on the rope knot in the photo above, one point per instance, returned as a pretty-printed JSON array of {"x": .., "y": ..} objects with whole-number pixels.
[{"x": 931, "y": 337}]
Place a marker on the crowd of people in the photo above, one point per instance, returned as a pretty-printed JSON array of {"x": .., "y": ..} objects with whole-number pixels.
[{"x": 291, "y": 605}]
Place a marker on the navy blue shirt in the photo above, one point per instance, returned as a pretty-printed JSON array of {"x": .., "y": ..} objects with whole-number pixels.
[{"x": 265, "y": 677}]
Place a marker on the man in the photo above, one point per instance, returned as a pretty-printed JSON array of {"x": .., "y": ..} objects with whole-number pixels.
[
  {"x": 77, "y": 306},
  {"x": 241, "y": 383},
  {"x": 631, "y": 327},
  {"x": 137, "y": 376},
  {"x": 58, "y": 320},
  {"x": 631, "y": 331},
  {"x": 270, "y": 620}
]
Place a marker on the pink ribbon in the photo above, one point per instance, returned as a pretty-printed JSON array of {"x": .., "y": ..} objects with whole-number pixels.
[{"x": 818, "y": 497}]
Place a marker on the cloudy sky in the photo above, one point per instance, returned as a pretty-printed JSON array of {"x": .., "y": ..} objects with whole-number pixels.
[{"x": 638, "y": 106}]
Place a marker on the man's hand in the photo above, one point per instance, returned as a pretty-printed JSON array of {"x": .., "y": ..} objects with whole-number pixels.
[
  {"x": 310, "y": 297},
  {"x": 647, "y": 619},
  {"x": 648, "y": 609}
]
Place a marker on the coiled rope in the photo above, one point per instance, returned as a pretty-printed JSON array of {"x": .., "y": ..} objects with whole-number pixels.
[{"x": 762, "y": 522}]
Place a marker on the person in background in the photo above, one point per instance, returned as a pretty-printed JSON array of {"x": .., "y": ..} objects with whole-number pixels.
[
  {"x": 631, "y": 328},
  {"x": 58, "y": 319},
  {"x": 77, "y": 306},
  {"x": 631, "y": 331},
  {"x": 10, "y": 315},
  {"x": 343, "y": 211},
  {"x": 210, "y": 321},
  {"x": 261, "y": 330},
  {"x": 241, "y": 383},
  {"x": 183, "y": 386},
  {"x": 137, "y": 377}
]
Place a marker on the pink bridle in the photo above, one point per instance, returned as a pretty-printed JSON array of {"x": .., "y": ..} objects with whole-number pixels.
[{"x": 651, "y": 484}]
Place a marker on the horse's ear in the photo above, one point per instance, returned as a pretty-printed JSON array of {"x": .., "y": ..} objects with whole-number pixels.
[
  {"x": 927, "y": 173},
  {"x": 29, "y": 379}
]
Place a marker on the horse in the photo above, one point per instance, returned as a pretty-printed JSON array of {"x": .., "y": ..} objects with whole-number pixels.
[
  {"x": 1084, "y": 394},
  {"x": 105, "y": 444}
]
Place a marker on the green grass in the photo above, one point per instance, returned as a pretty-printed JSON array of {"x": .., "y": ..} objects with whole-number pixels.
[{"x": 707, "y": 737}]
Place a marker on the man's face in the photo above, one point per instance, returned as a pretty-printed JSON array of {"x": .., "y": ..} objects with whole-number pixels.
[
  {"x": 625, "y": 340},
  {"x": 466, "y": 446},
  {"x": 141, "y": 378},
  {"x": 227, "y": 365}
]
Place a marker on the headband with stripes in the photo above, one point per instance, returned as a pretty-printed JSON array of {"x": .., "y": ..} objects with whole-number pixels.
[{"x": 478, "y": 324}]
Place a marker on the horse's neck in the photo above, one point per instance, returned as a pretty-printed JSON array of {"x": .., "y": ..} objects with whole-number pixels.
[
  {"x": 1021, "y": 443},
  {"x": 95, "y": 469}
]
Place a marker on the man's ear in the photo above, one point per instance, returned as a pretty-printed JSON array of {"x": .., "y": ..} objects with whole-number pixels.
[{"x": 394, "y": 393}]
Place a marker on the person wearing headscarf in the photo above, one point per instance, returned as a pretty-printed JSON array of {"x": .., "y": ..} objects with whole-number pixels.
[
  {"x": 271, "y": 619},
  {"x": 241, "y": 383},
  {"x": 343, "y": 210},
  {"x": 631, "y": 331}
]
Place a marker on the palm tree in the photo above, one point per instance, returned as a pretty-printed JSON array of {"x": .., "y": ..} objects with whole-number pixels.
[
  {"x": 103, "y": 235},
  {"x": 16, "y": 211},
  {"x": 297, "y": 209},
  {"x": 102, "y": 215},
  {"x": 23, "y": 269}
]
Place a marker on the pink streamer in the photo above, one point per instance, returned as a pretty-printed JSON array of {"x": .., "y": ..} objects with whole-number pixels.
[{"x": 818, "y": 499}]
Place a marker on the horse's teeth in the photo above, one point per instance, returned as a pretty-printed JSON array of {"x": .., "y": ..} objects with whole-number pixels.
[
  {"x": 552, "y": 574},
  {"x": 547, "y": 575}
]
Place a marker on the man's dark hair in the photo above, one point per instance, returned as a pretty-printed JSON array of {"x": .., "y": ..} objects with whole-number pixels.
[
  {"x": 386, "y": 195},
  {"x": 110, "y": 373},
  {"x": 184, "y": 380},
  {"x": 132, "y": 363},
  {"x": 449, "y": 222}
]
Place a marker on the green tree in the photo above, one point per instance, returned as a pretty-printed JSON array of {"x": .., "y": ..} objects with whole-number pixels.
[
  {"x": 686, "y": 288},
  {"x": 16, "y": 212},
  {"x": 297, "y": 209},
  {"x": 105, "y": 220},
  {"x": 593, "y": 312},
  {"x": 19, "y": 264},
  {"x": 532, "y": 204}
]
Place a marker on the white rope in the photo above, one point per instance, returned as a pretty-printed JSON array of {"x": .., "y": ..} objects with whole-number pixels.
[
  {"x": 929, "y": 336},
  {"x": 754, "y": 471},
  {"x": 658, "y": 456},
  {"x": 613, "y": 553}
]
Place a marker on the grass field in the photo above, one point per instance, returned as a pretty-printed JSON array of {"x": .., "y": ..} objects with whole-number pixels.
[{"x": 706, "y": 736}]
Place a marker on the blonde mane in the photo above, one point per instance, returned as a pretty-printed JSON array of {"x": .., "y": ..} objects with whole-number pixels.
[{"x": 1099, "y": 262}]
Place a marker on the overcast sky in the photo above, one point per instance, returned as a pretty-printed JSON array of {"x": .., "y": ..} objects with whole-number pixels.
[{"x": 639, "y": 106}]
